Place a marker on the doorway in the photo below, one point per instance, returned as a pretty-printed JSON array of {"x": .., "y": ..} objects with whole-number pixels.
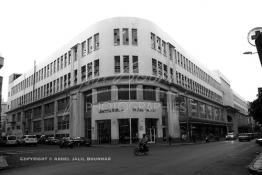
[
  {"x": 151, "y": 129},
  {"x": 104, "y": 131}
]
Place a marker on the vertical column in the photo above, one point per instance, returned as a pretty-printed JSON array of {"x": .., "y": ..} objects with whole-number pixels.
[
  {"x": 114, "y": 131},
  {"x": 94, "y": 130},
  {"x": 94, "y": 96},
  {"x": 22, "y": 122},
  {"x": 114, "y": 93},
  {"x": 77, "y": 115},
  {"x": 141, "y": 127},
  {"x": 173, "y": 116},
  {"x": 42, "y": 118},
  {"x": 55, "y": 118},
  {"x": 159, "y": 128},
  {"x": 139, "y": 92}
]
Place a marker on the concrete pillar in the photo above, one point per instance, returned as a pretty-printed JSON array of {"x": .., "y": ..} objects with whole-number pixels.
[
  {"x": 114, "y": 131},
  {"x": 141, "y": 127},
  {"x": 157, "y": 94},
  {"x": 114, "y": 93},
  {"x": 77, "y": 121},
  {"x": 55, "y": 118},
  {"x": 173, "y": 116},
  {"x": 159, "y": 128},
  {"x": 94, "y": 96},
  {"x": 139, "y": 92},
  {"x": 94, "y": 129},
  {"x": 42, "y": 118}
]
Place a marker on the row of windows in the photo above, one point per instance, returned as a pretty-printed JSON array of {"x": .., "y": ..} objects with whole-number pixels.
[
  {"x": 54, "y": 86},
  {"x": 87, "y": 70},
  {"x": 62, "y": 62},
  {"x": 196, "y": 87},
  {"x": 125, "y": 36},
  {"x": 126, "y": 64},
  {"x": 161, "y": 70},
  {"x": 161, "y": 46}
]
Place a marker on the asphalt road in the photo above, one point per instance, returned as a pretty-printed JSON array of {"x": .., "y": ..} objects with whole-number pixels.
[{"x": 216, "y": 158}]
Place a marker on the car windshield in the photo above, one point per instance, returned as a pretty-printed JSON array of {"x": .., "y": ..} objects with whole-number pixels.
[{"x": 11, "y": 137}]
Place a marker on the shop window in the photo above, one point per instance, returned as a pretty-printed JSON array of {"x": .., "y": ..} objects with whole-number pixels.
[
  {"x": 49, "y": 124},
  {"x": 134, "y": 36},
  {"x": 149, "y": 93},
  {"x": 125, "y": 36},
  {"x": 116, "y": 37},
  {"x": 126, "y": 63},
  {"x": 117, "y": 64},
  {"x": 124, "y": 91}
]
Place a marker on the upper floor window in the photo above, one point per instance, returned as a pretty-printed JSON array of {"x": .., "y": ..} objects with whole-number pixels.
[
  {"x": 153, "y": 41},
  {"x": 89, "y": 70},
  {"x": 65, "y": 59},
  {"x": 83, "y": 45},
  {"x": 135, "y": 64},
  {"x": 89, "y": 45},
  {"x": 164, "y": 47},
  {"x": 83, "y": 73},
  {"x": 125, "y": 36},
  {"x": 134, "y": 36},
  {"x": 126, "y": 64},
  {"x": 96, "y": 67},
  {"x": 61, "y": 62},
  {"x": 158, "y": 44},
  {"x": 165, "y": 71},
  {"x": 96, "y": 41},
  {"x": 154, "y": 66},
  {"x": 117, "y": 64},
  {"x": 160, "y": 69},
  {"x": 116, "y": 37}
]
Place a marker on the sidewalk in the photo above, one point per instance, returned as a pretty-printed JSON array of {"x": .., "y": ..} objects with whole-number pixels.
[{"x": 255, "y": 166}]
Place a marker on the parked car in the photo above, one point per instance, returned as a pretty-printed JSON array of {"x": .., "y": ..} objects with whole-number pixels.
[
  {"x": 251, "y": 135},
  {"x": 66, "y": 142},
  {"x": 81, "y": 141},
  {"x": 52, "y": 141},
  {"x": 3, "y": 141},
  {"x": 231, "y": 136},
  {"x": 11, "y": 140},
  {"x": 42, "y": 139},
  {"x": 259, "y": 141},
  {"x": 29, "y": 140},
  {"x": 244, "y": 137}
]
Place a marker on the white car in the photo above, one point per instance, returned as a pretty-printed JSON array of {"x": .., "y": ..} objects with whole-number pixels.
[
  {"x": 29, "y": 140},
  {"x": 11, "y": 140}
]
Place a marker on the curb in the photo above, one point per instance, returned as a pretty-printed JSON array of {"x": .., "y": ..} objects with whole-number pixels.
[
  {"x": 251, "y": 167},
  {"x": 3, "y": 163}
]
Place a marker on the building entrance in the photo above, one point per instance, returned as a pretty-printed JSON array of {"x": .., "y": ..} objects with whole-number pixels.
[
  {"x": 151, "y": 129},
  {"x": 104, "y": 131},
  {"x": 124, "y": 130}
]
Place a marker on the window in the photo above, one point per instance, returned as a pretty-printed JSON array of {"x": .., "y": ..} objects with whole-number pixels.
[
  {"x": 116, "y": 37},
  {"x": 96, "y": 67},
  {"x": 44, "y": 75},
  {"x": 49, "y": 109},
  {"x": 65, "y": 80},
  {"x": 96, "y": 41},
  {"x": 154, "y": 67},
  {"x": 51, "y": 68},
  {"x": 69, "y": 57},
  {"x": 63, "y": 105},
  {"x": 135, "y": 64},
  {"x": 51, "y": 88},
  {"x": 134, "y": 36},
  {"x": 103, "y": 94},
  {"x": 171, "y": 75},
  {"x": 153, "y": 41},
  {"x": 89, "y": 70},
  {"x": 54, "y": 66},
  {"x": 69, "y": 79},
  {"x": 65, "y": 59},
  {"x": 37, "y": 126},
  {"x": 61, "y": 62},
  {"x": 58, "y": 65},
  {"x": 160, "y": 69},
  {"x": 164, "y": 47},
  {"x": 126, "y": 64},
  {"x": 117, "y": 64},
  {"x": 61, "y": 83},
  {"x": 89, "y": 46},
  {"x": 47, "y": 71},
  {"x": 83, "y": 48},
  {"x": 75, "y": 76},
  {"x": 83, "y": 73},
  {"x": 57, "y": 84},
  {"x": 63, "y": 122},
  {"x": 124, "y": 92},
  {"x": 158, "y": 44},
  {"x": 165, "y": 71},
  {"x": 49, "y": 124},
  {"x": 125, "y": 36},
  {"x": 149, "y": 93}
]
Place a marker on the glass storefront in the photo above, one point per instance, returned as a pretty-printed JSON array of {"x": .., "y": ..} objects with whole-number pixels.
[
  {"x": 104, "y": 131},
  {"x": 124, "y": 130}
]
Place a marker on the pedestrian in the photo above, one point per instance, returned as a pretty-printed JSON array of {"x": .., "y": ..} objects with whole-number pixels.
[{"x": 169, "y": 140}]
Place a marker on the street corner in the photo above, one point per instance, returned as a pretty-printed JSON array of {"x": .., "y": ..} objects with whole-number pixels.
[{"x": 255, "y": 167}]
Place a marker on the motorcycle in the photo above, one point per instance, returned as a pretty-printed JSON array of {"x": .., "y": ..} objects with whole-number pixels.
[
  {"x": 66, "y": 143},
  {"x": 142, "y": 149}
]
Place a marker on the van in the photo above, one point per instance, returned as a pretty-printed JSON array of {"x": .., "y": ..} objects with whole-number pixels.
[
  {"x": 29, "y": 140},
  {"x": 11, "y": 140}
]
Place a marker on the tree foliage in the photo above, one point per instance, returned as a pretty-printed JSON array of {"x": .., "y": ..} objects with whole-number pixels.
[{"x": 255, "y": 109}]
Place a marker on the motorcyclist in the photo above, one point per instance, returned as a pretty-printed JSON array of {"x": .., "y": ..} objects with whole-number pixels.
[{"x": 143, "y": 143}]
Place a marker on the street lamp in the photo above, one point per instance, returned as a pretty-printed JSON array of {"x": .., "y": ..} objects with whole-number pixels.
[{"x": 249, "y": 53}]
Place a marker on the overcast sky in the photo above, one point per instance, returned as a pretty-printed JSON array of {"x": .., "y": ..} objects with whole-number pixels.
[{"x": 213, "y": 32}]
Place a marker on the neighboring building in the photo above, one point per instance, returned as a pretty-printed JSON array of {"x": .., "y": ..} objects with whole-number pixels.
[
  {"x": 4, "y": 121},
  {"x": 1, "y": 83},
  {"x": 119, "y": 79}
]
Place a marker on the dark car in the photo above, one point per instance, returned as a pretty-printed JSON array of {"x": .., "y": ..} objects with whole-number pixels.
[
  {"x": 244, "y": 137},
  {"x": 81, "y": 141},
  {"x": 52, "y": 141},
  {"x": 66, "y": 142}
]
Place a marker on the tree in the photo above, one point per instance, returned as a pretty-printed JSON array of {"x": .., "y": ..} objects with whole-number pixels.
[{"x": 255, "y": 109}]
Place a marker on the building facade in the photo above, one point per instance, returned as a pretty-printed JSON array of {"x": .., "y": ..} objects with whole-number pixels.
[{"x": 119, "y": 79}]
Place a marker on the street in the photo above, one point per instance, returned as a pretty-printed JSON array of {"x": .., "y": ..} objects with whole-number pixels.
[{"x": 215, "y": 158}]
